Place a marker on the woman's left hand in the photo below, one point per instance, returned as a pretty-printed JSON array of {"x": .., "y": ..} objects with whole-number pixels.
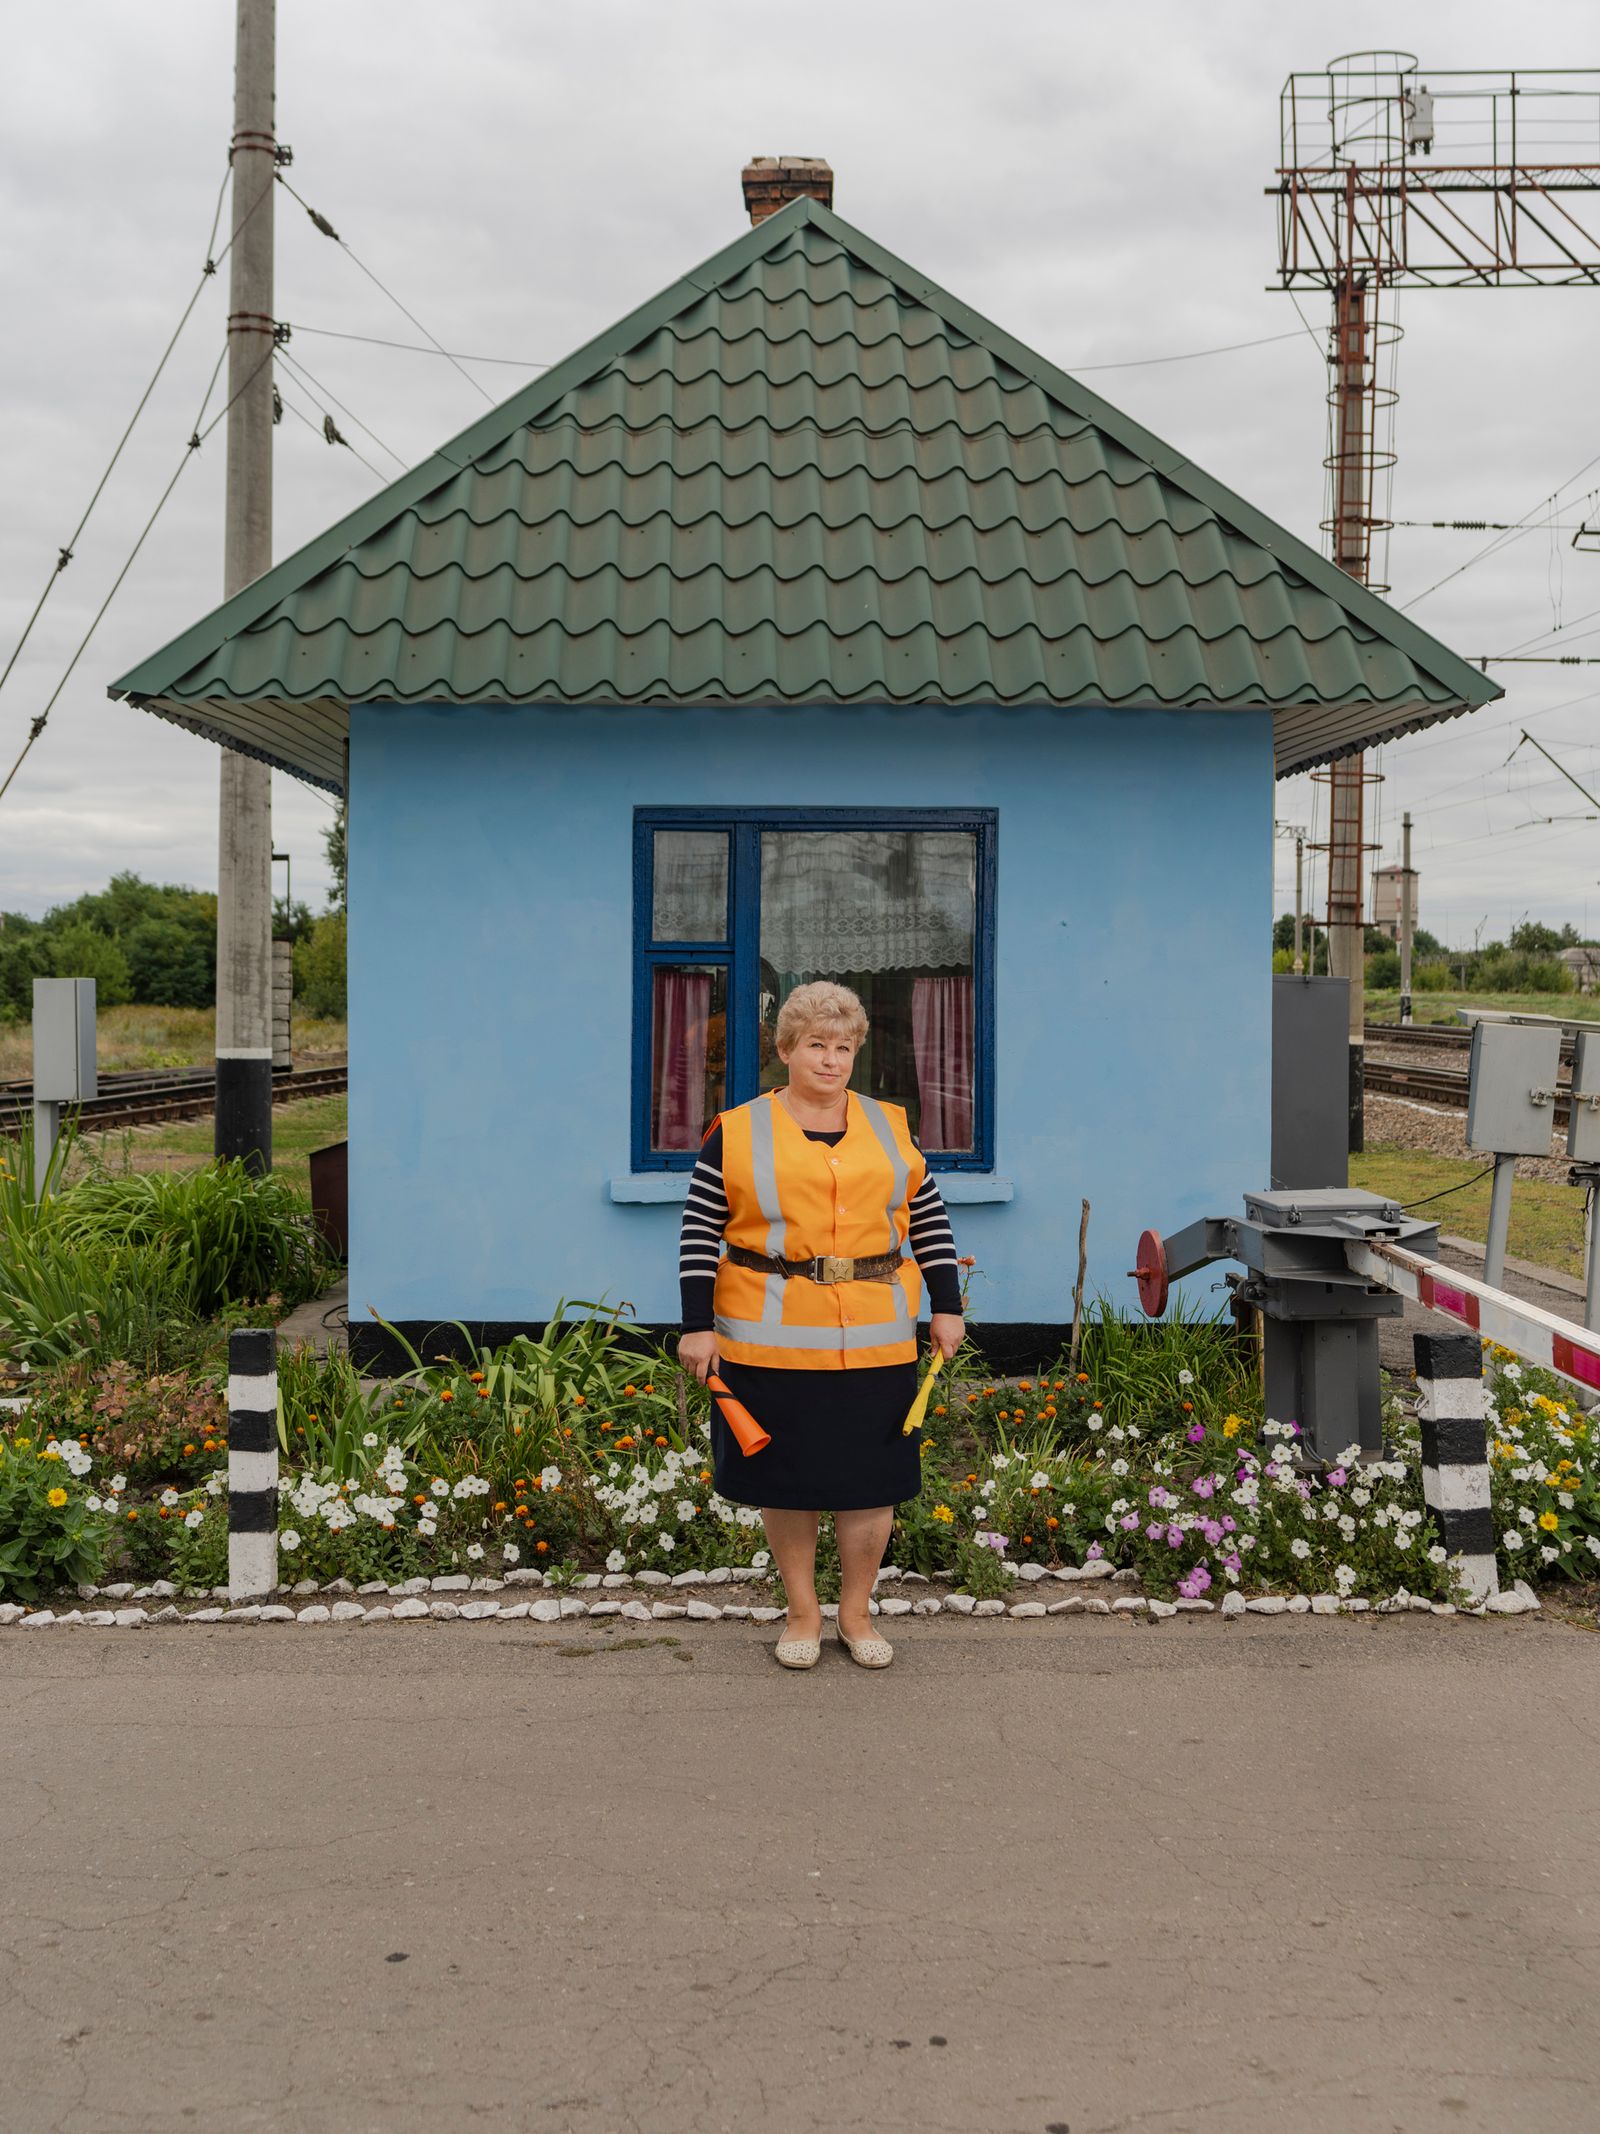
[{"x": 947, "y": 1330}]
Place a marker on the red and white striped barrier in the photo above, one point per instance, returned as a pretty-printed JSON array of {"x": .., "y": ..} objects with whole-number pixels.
[{"x": 1539, "y": 1337}]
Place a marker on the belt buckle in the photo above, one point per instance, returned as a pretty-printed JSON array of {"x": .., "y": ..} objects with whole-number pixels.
[{"x": 834, "y": 1268}]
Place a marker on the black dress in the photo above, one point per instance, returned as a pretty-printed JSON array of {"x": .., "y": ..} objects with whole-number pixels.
[{"x": 837, "y": 1439}]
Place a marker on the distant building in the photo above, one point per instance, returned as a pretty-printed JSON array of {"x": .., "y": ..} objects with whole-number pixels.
[
  {"x": 1584, "y": 964},
  {"x": 1387, "y": 900}
]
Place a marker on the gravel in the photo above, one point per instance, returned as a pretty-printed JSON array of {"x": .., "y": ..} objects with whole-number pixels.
[{"x": 1398, "y": 1122}]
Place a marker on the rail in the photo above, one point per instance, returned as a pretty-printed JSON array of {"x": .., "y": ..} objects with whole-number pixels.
[{"x": 148, "y": 1098}]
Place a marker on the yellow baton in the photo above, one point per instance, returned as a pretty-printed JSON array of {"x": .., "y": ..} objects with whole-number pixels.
[{"x": 919, "y": 1407}]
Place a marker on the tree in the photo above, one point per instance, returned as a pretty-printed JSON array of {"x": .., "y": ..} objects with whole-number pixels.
[
  {"x": 333, "y": 839},
  {"x": 319, "y": 967},
  {"x": 79, "y": 952},
  {"x": 1532, "y": 939},
  {"x": 171, "y": 965}
]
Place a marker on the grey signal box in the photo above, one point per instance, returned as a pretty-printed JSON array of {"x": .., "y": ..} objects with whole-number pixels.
[
  {"x": 1583, "y": 1128},
  {"x": 63, "y": 1040},
  {"x": 1511, "y": 1102}
]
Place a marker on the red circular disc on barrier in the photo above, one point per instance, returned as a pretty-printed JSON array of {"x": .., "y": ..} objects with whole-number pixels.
[{"x": 1150, "y": 1272}]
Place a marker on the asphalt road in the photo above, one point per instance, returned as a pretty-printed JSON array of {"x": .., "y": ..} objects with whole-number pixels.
[{"x": 1281, "y": 1874}]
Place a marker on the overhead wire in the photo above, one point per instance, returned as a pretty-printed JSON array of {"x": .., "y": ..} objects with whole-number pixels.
[
  {"x": 320, "y": 222},
  {"x": 416, "y": 348},
  {"x": 312, "y": 385},
  {"x": 197, "y": 438},
  {"x": 330, "y": 433},
  {"x": 1525, "y": 525},
  {"x": 65, "y": 554}
]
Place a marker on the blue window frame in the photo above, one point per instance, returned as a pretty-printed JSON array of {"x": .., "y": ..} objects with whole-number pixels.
[{"x": 708, "y": 972}]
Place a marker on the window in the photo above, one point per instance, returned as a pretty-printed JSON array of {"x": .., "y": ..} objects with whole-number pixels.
[{"x": 735, "y": 908}]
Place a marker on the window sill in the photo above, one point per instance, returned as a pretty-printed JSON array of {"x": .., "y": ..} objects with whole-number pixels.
[{"x": 960, "y": 1188}]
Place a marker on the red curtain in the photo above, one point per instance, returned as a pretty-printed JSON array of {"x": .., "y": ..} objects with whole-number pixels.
[
  {"x": 941, "y": 1038},
  {"x": 678, "y": 1068}
]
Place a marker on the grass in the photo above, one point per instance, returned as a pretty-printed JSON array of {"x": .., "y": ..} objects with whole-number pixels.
[
  {"x": 1441, "y": 1007},
  {"x": 185, "y": 1145},
  {"x": 1546, "y": 1219},
  {"x": 159, "y": 1037}
]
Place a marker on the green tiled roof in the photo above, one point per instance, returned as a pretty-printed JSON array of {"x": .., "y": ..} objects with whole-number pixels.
[{"x": 803, "y": 475}]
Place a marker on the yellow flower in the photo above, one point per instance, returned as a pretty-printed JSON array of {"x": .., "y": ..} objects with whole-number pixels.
[
  {"x": 943, "y": 1512},
  {"x": 1549, "y": 1521},
  {"x": 57, "y": 1497},
  {"x": 1232, "y": 1425}
]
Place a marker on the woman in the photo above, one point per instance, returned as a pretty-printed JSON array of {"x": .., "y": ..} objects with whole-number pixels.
[{"x": 810, "y": 1314}]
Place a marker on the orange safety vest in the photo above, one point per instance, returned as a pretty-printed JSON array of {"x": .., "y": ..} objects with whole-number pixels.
[{"x": 796, "y": 1199}]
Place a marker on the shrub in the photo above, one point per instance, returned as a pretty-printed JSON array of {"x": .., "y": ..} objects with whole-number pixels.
[{"x": 235, "y": 1235}]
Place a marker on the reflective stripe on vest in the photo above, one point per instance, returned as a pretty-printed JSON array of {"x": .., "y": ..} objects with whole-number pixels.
[{"x": 797, "y": 1199}]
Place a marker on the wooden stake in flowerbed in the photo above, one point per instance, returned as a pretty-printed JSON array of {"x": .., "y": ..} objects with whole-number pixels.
[
  {"x": 252, "y": 1462},
  {"x": 1077, "y": 1289}
]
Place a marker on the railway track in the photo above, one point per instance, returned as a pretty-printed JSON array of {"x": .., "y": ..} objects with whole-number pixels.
[
  {"x": 1444, "y": 1086},
  {"x": 147, "y": 1098}
]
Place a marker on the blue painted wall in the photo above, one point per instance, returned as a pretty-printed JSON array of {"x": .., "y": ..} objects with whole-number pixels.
[{"x": 489, "y": 981}]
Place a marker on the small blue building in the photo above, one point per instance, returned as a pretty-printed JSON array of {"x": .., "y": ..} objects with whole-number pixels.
[{"x": 805, "y": 624}]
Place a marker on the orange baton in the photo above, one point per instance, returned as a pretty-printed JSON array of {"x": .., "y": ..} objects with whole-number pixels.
[{"x": 749, "y": 1433}]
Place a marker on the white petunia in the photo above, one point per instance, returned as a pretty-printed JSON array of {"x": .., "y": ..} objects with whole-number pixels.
[
  {"x": 1119, "y": 1467},
  {"x": 760, "y": 1560},
  {"x": 1300, "y": 1547},
  {"x": 475, "y": 1550},
  {"x": 1186, "y": 1378},
  {"x": 684, "y": 1509},
  {"x": 1040, "y": 1481},
  {"x": 616, "y": 1561},
  {"x": 439, "y": 1486},
  {"x": 1436, "y": 1553},
  {"x": 119, "y": 1483},
  {"x": 511, "y": 1553},
  {"x": 289, "y": 1539},
  {"x": 1526, "y": 1516},
  {"x": 370, "y": 1439},
  {"x": 93, "y": 1503},
  {"x": 1402, "y": 1537},
  {"x": 549, "y": 1476},
  {"x": 194, "y": 1518},
  {"x": 1360, "y": 1497},
  {"x": 1511, "y": 1538},
  {"x": 1548, "y": 1555},
  {"x": 666, "y": 1542}
]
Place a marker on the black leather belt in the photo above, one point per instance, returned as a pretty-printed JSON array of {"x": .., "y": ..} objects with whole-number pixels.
[{"x": 826, "y": 1267}]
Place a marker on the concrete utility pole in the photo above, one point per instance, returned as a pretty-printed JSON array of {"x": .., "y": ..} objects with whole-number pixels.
[
  {"x": 1405, "y": 917},
  {"x": 1299, "y": 900},
  {"x": 244, "y": 872}
]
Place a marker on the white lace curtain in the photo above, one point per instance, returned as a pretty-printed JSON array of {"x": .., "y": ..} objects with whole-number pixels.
[{"x": 867, "y": 900}]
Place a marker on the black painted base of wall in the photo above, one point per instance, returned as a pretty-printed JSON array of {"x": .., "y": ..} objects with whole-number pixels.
[
  {"x": 244, "y": 1113},
  {"x": 1016, "y": 1346}
]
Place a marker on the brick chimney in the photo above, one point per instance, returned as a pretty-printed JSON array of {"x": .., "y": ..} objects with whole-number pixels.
[{"x": 771, "y": 182}]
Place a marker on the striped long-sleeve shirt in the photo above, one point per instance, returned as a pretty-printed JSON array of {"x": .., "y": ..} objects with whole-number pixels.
[{"x": 705, "y": 1218}]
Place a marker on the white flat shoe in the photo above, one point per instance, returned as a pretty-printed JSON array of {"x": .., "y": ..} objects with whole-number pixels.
[
  {"x": 867, "y": 1652},
  {"x": 797, "y": 1652}
]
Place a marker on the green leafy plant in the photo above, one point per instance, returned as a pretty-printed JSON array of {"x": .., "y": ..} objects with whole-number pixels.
[{"x": 54, "y": 1528}]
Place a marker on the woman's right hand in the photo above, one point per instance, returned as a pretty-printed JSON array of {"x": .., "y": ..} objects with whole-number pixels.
[{"x": 698, "y": 1353}]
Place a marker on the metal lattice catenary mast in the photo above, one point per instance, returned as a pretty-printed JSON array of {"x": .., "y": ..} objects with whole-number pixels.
[{"x": 1386, "y": 181}]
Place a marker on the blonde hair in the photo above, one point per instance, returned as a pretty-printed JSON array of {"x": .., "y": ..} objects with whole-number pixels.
[{"x": 822, "y": 1004}]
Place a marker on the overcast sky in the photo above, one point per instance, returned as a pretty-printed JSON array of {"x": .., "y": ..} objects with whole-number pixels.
[{"x": 520, "y": 176}]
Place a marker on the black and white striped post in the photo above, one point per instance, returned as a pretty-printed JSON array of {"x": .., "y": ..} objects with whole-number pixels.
[
  {"x": 252, "y": 1462},
  {"x": 1455, "y": 1453}
]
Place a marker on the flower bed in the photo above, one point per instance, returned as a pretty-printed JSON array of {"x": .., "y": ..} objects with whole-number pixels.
[{"x": 581, "y": 1456}]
